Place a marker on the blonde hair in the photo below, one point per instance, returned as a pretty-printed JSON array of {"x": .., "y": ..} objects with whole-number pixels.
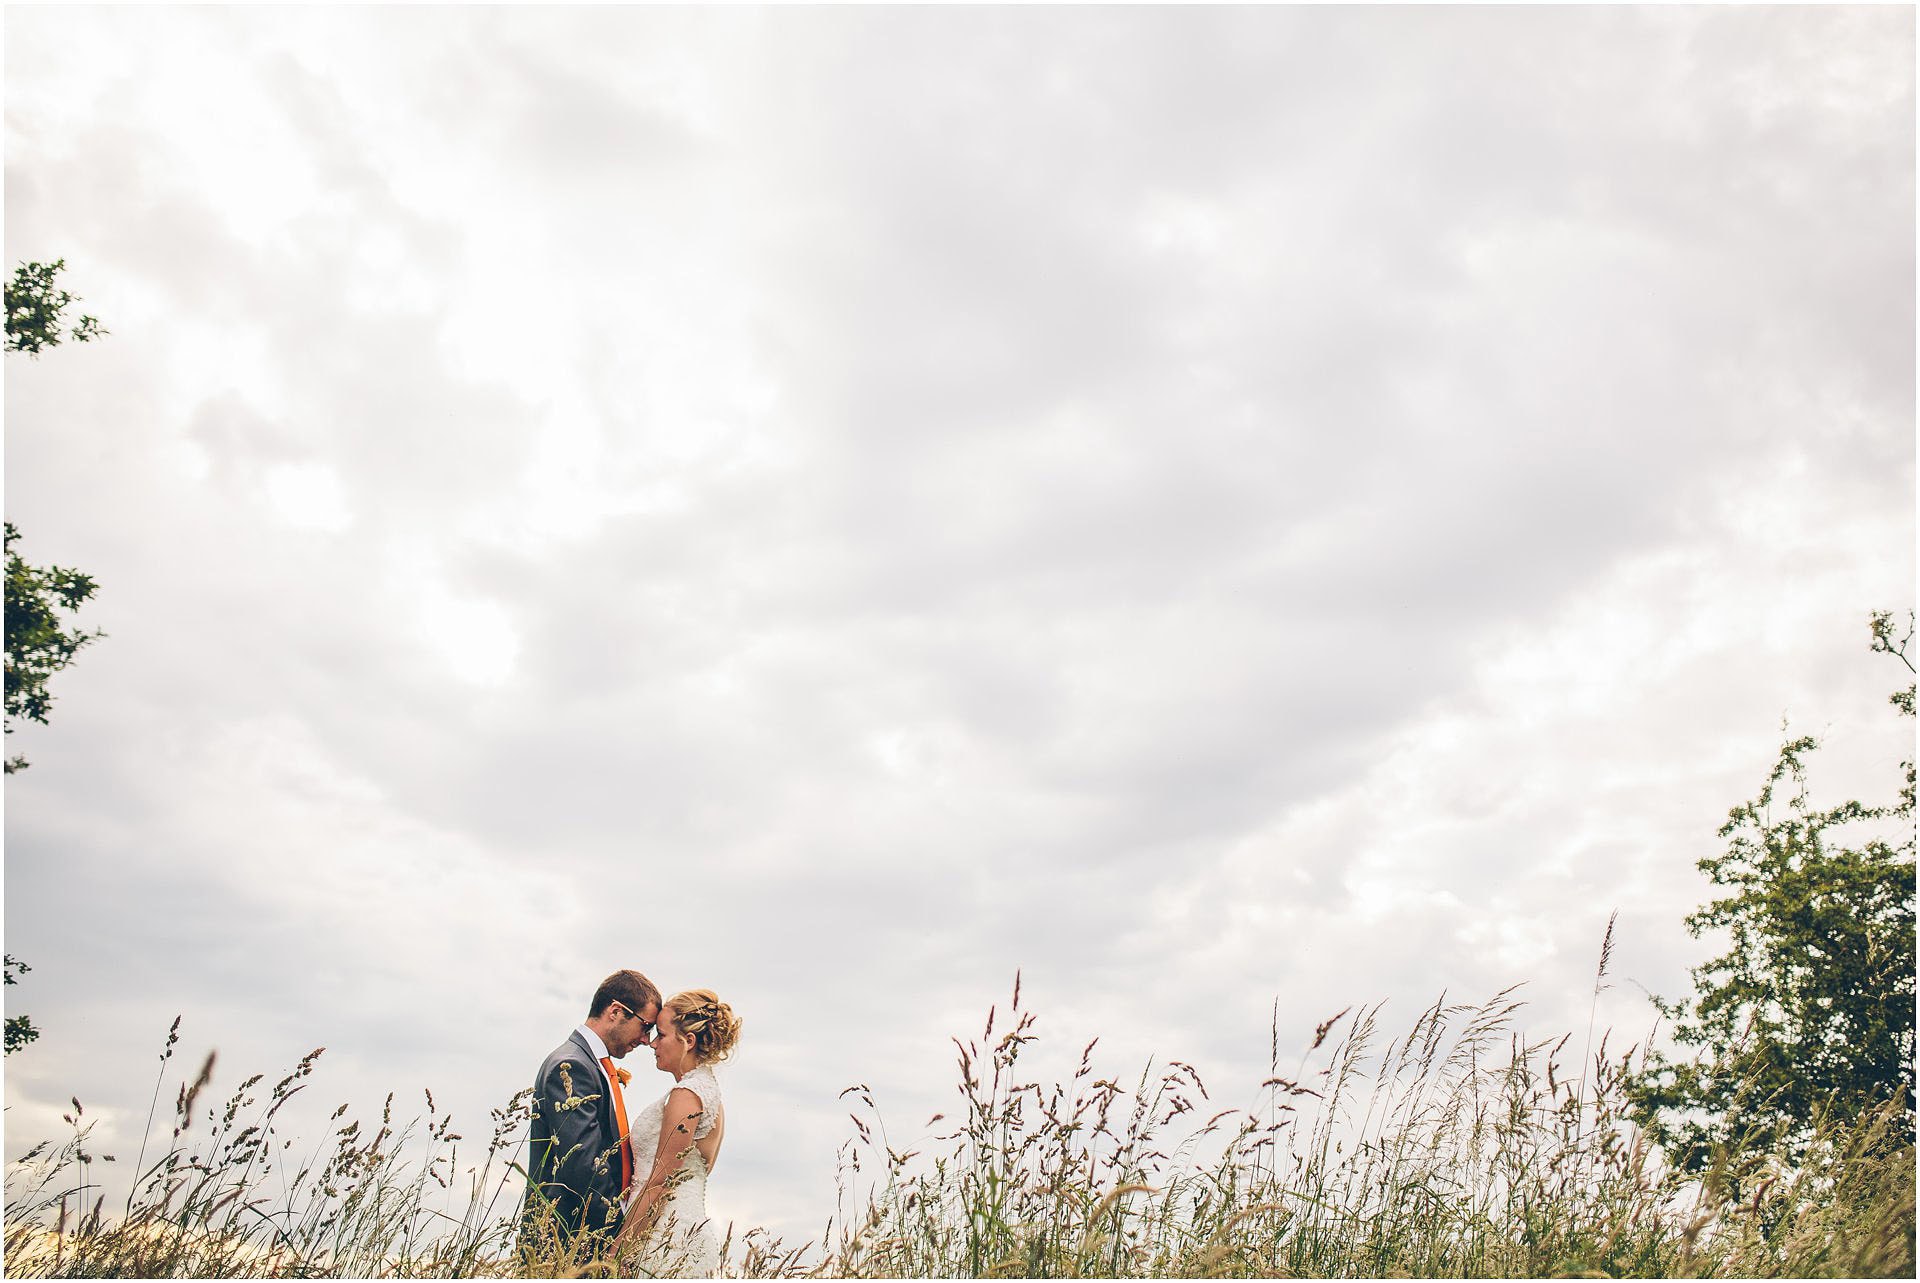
[{"x": 711, "y": 1024}]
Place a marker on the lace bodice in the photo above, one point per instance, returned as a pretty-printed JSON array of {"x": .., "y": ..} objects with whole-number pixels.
[
  {"x": 684, "y": 1243},
  {"x": 701, "y": 1082},
  {"x": 646, "y": 1124}
]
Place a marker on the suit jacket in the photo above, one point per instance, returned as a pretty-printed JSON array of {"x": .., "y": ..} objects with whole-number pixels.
[{"x": 574, "y": 1163}]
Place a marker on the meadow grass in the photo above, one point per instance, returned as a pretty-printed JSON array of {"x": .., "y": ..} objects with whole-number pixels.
[{"x": 1456, "y": 1148}]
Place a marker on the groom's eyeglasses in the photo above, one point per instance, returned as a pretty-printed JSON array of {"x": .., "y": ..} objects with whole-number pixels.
[{"x": 646, "y": 1030}]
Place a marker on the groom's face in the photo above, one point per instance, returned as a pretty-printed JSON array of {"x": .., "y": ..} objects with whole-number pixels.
[{"x": 631, "y": 1030}]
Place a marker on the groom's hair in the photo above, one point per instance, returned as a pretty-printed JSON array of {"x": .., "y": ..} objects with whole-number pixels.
[{"x": 628, "y": 988}]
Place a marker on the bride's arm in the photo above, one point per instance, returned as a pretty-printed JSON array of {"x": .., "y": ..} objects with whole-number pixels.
[{"x": 677, "y": 1121}]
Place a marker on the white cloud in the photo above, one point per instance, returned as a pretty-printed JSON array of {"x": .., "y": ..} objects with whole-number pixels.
[
  {"x": 474, "y": 638},
  {"x": 308, "y": 496}
]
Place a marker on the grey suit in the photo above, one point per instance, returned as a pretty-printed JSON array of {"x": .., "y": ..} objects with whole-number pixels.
[{"x": 574, "y": 1163}]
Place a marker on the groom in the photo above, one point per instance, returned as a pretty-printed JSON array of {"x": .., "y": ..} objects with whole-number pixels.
[{"x": 580, "y": 1162}]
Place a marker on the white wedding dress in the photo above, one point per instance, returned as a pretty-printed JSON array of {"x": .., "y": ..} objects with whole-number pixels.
[{"x": 682, "y": 1243}]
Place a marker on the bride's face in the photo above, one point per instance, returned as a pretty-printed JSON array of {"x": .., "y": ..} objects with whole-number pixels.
[{"x": 672, "y": 1050}]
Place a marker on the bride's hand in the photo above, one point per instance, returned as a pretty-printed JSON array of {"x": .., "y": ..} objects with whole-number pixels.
[{"x": 639, "y": 1218}]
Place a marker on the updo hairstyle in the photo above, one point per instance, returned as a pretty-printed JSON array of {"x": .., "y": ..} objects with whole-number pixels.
[{"x": 711, "y": 1024}]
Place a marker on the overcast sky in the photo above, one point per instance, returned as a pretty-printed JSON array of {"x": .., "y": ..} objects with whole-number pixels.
[{"x": 836, "y": 505}]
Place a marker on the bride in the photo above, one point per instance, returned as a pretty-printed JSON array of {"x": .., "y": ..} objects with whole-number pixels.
[{"x": 666, "y": 1227}]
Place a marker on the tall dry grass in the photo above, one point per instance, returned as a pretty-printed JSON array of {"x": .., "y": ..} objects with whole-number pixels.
[
  {"x": 231, "y": 1196},
  {"x": 1456, "y": 1148}
]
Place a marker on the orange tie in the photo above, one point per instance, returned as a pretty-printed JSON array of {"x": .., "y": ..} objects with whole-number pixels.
[{"x": 620, "y": 1115}]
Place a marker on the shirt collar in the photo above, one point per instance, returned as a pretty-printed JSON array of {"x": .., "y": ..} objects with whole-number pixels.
[{"x": 594, "y": 1043}]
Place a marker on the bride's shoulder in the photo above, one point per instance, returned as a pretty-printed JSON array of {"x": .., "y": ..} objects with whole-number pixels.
[{"x": 702, "y": 1083}]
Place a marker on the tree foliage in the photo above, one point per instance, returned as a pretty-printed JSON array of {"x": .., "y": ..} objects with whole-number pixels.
[
  {"x": 36, "y": 310},
  {"x": 20, "y": 1030},
  {"x": 1810, "y": 1012},
  {"x": 37, "y": 645}
]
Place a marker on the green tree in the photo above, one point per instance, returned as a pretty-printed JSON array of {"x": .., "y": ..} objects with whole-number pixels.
[
  {"x": 36, "y": 310},
  {"x": 37, "y": 645},
  {"x": 20, "y": 1030},
  {"x": 1810, "y": 1012}
]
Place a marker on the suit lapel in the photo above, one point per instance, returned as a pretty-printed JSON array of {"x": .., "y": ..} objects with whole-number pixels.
[{"x": 600, "y": 1076}]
